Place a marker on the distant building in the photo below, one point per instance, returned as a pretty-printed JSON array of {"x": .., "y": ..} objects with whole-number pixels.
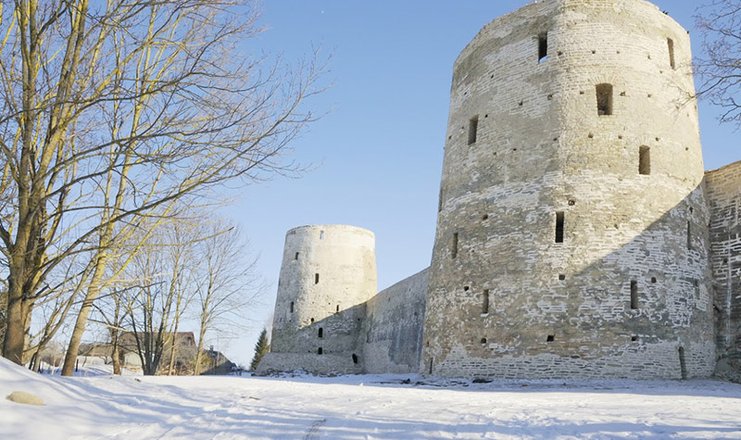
[{"x": 129, "y": 351}]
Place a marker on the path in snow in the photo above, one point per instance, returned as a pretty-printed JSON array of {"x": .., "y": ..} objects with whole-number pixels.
[{"x": 362, "y": 407}]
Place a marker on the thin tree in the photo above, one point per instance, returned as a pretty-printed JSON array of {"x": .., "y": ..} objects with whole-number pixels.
[
  {"x": 262, "y": 347},
  {"x": 719, "y": 65},
  {"x": 227, "y": 282},
  {"x": 111, "y": 113},
  {"x": 149, "y": 306}
]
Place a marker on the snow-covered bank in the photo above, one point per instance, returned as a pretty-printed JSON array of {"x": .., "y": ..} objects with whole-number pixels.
[{"x": 361, "y": 407}]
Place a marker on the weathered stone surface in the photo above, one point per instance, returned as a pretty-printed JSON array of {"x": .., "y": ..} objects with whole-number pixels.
[
  {"x": 541, "y": 148},
  {"x": 393, "y": 327},
  {"x": 25, "y": 398},
  {"x": 574, "y": 238},
  {"x": 327, "y": 275},
  {"x": 724, "y": 198}
]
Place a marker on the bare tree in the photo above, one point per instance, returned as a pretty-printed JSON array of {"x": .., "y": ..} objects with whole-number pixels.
[
  {"x": 114, "y": 112},
  {"x": 149, "y": 305},
  {"x": 227, "y": 283},
  {"x": 719, "y": 65}
]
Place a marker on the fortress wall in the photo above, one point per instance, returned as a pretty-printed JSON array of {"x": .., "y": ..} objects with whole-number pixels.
[
  {"x": 529, "y": 147},
  {"x": 724, "y": 197},
  {"x": 393, "y": 327}
]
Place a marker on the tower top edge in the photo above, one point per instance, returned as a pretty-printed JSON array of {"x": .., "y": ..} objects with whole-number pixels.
[
  {"x": 533, "y": 6},
  {"x": 330, "y": 227}
]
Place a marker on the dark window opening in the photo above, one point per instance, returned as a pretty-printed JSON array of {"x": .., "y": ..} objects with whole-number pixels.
[
  {"x": 542, "y": 47},
  {"x": 604, "y": 99},
  {"x": 296, "y": 256},
  {"x": 653, "y": 280},
  {"x": 689, "y": 235},
  {"x": 312, "y": 320},
  {"x": 696, "y": 284},
  {"x": 354, "y": 358},
  {"x": 634, "y": 338},
  {"x": 473, "y": 126},
  {"x": 634, "y": 295},
  {"x": 550, "y": 338},
  {"x": 337, "y": 309},
  {"x": 291, "y": 306},
  {"x": 644, "y": 160},
  {"x": 670, "y": 44},
  {"x": 316, "y": 278},
  {"x": 561, "y": 277},
  {"x": 430, "y": 369},
  {"x": 320, "y": 333},
  {"x": 319, "y": 350},
  {"x": 483, "y": 341},
  {"x": 682, "y": 364},
  {"x": 485, "y": 302},
  {"x": 454, "y": 245},
  {"x": 559, "y": 226},
  {"x": 466, "y": 288}
]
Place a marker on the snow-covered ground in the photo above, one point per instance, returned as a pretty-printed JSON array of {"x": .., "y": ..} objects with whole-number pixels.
[{"x": 361, "y": 407}]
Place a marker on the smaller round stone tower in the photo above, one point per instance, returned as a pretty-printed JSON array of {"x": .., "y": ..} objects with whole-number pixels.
[{"x": 328, "y": 273}]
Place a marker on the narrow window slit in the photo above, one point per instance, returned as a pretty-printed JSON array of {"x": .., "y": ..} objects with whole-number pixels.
[
  {"x": 473, "y": 126},
  {"x": 354, "y": 358},
  {"x": 559, "y": 226},
  {"x": 485, "y": 302},
  {"x": 689, "y": 235},
  {"x": 320, "y": 333},
  {"x": 644, "y": 160},
  {"x": 319, "y": 350},
  {"x": 670, "y": 44},
  {"x": 454, "y": 245},
  {"x": 634, "y": 295},
  {"x": 291, "y": 307},
  {"x": 543, "y": 47},
  {"x": 316, "y": 278},
  {"x": 604, "y": 99}
]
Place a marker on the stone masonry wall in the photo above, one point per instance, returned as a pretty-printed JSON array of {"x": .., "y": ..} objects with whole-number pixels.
[
  {"x": 572, "y": 234},
  {"x": 724, "y": 197},
  {"x": 393, "y": 327}
]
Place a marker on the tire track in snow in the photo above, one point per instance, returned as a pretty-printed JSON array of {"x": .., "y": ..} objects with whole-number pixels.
[{"x": 313, "y": 432}]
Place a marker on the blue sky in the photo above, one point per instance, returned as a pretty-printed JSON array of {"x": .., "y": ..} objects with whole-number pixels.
[{"x": 376, "y": 154}]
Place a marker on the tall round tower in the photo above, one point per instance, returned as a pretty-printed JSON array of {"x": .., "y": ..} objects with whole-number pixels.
[
  {"x": 328, "y": 273},
  {"x": 572, "y": 230}
]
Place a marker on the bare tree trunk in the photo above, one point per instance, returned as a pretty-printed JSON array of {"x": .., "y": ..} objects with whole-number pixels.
[
  {"x": 115, "y": 359},
  {"x": 174, "y": 345},
  {"x": 15, "y": 337},
  {"x": 93, "y": 291},
  {"x": 199, "y": 349},
  {"x": 115, "y": 333}
]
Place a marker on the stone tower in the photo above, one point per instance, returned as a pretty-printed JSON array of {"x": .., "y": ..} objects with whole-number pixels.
[
  {"x": 327, "y": 275},
  {"x": 572, "y": 231}
]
